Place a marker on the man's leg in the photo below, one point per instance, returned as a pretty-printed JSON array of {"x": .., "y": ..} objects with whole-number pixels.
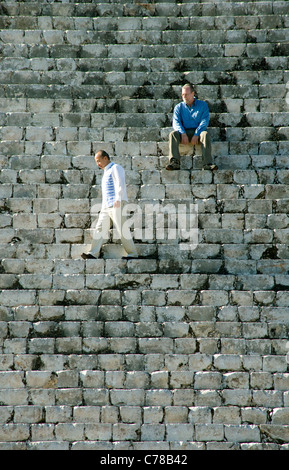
[
  {"x": 174, "y": 153},
  {"x": 123, "y": 231},
  {"x": 101, "y": 232},
  {"x": 206, "y": 147}
]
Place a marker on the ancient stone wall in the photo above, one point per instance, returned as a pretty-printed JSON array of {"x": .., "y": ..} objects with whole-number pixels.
[{"x": 184, "y": 350}]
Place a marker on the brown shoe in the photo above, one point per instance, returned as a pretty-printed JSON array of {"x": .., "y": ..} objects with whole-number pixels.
[
  {"x": 87, "y": 256},
  {"x": 210, "y": 167},
  {"x": 172, "y": 167}
]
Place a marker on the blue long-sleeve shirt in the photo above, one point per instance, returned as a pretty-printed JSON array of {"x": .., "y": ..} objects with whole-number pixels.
[{"x": 188, "y": 117}]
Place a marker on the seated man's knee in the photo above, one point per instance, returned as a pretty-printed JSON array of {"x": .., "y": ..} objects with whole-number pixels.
[
  {"x": 204, "y": 135},
  {"x": 175, "y": 135}
]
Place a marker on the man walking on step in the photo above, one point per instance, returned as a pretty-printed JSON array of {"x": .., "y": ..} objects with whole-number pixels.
[
  {"x": 114, "y": 196},
  {"x": 190, "y": 122}
]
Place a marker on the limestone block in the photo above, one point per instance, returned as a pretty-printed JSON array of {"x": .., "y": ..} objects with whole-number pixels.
[
  {"x": 49, "y": 220},
  {"x": 227, "y": 362},
  {"x": 275, "y": 364},
  {"x": 152, "y": 191},
  {"x": 63, "y": 281},
  {"x": 35, "y": 281},
  {"x": 270, "y": 397},
  {"x": 208, "y": 380},
  {"x": 73, "y": 206},
  {"x": 69, "y": 431},
  {"x": 12, "y": 36},
  {"x": 200, "y": 414},
  {"x": 11, "y": 379},
  {"x": 55, "y": 148},
  {"x": 144, "y": 163},
  {"x": 14, "y": 432},
  {"x": 152, "y": 432},
  {"x": 148, "y": 148},
  {"x": 153, "y": 414},
  {"x": 124, "y": 353},
  {"x": 11, "y": 298},
  {"x": 125, "y": 432},
  {"x": 98, "y": 431},
  {"x": 205, "y": 432},
  {"x": 212, "y": 50},
  {"x": 127, "y": 148},
  {"x": 258, "y": 236},
  {"x": 131, "y": 414},
  {"x": 114, "y": 134},
  {"x": 53, "y": 37},
  {"x": 242, "y": 433},
  {"x": 28, "y": 414},
  {"x": 120, "y": 50}
]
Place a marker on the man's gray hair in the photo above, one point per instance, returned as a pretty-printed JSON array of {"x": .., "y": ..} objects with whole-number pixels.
[{"x": 191, "y": 87}]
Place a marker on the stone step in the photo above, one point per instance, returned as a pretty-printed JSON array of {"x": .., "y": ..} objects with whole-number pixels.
[
  {"x": 48, "y": 123},
  {"x": 255, "y": 169},
  {"x": 148, "y": 105},
  {"x": 77, "y": 155},
  {"x": 165, "y": 91},
  {"x": 152, "y": 84},
  {"x": 211, "y": 214},
  {"x": 230, "y": 56},
  {"x": 69, "y": 30},
  {"x": 53, "y": 160},
  {"x": 251, "y": 140},
  {"x": 86, "y": 181},
  {"x": 39, "y": 272},
  {"x": 52, "y": 122},
  {"x": 230, "y": 257},
  {"x": 141, "y": 63},
  {"x": 132, "y": 141},
  {"x": 160, "y": 260},
  {"x": 143, "y": 72},
  {"x": 145, "y": 83},
  {"x": 122, "y": 339},
  {"x": 107, "y": 274},
  {"x": 254, "y": 250},
  {"x": 201, "y": 32},
  {"x": 185, "y": 348},
  {"x": 160, "y": 8}
]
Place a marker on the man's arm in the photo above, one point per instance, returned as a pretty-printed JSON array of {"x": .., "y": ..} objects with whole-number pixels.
[
  {"x": 204, "y": 119},
  {"x": 178, "y": 125},
  {"x": 177, "y": 120},
  {"x": 118, "y": 175}
]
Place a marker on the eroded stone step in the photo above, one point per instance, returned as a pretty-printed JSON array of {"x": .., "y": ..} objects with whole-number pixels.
[
  {"x": 166, "y": 9},
  {"x": 163, "y": 259},
  {"x": 84, "y": 91},
  {"x": 198, "y": 33}
]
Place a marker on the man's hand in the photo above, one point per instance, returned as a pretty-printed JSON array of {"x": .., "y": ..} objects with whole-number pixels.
[
  {"x": 116, "y": 205},
  {"x": 195, "y": 140},
  {"x": 185, "y": 139}
]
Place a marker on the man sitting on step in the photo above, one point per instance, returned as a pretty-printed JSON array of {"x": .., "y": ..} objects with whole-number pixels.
[
  {"x": 114, "y": 196},
  {"x": 190, "y": 122}
]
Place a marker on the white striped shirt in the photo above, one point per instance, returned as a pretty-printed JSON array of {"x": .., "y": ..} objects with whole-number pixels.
[{"x": 113, "y": 185}]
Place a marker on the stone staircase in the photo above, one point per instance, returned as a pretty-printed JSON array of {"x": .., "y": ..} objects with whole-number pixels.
[{"x": 185, "y": 350}]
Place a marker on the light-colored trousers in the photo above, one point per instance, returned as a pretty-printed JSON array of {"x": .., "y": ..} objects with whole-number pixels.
[
  {"x": 175, "y": 140},
  {"x": 107, "y": 217}
]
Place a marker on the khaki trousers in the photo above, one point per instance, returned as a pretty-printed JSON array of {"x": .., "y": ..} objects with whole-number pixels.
[
  {"x": 175, "y": 140},
  {"x": 108, "y": 217}
]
